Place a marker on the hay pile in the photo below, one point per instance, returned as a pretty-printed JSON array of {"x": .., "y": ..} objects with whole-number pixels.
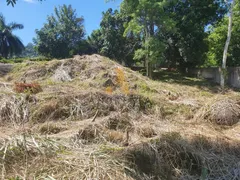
[
  {"x": 222, "y": 112},
  {"x": 86, "y": 105},
  {"x": 14, "y": 110}
]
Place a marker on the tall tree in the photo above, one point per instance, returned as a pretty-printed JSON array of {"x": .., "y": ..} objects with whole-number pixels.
[
  {"x": 186, "y": 47},
  {"x": 62, "y": 35},
  {"x": 9, "y": 43},
  {"x": 217, "y": 38},
  {"x": 148, "y": 19},
  {"x": 224, "y": 61}
]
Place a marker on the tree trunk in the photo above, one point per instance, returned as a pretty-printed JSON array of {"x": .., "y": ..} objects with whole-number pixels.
[
  {"x": 150, "y": 65},
  {"x": 224, "y": 61},
  {"x": 147, "y": 55}
]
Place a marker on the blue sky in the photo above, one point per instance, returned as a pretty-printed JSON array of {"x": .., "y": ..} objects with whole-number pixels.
[{"x": 33, "y": 14}]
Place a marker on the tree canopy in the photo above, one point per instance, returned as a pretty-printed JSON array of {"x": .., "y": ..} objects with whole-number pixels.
[
  {"x": 62, "y": 35},
  {"x": 109, "y": 40},
  {"x": 13, "y": 2},
  {"x": 171, "y": 33},
  {"x": 217, "y": 37},
  {"x": 10, "y": 44}
]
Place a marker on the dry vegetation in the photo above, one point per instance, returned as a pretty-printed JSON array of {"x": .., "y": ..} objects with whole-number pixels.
[{"x": 90, "y": 118}]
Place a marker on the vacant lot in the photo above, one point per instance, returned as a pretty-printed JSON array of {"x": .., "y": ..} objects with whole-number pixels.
[{"x": 88, "y": 117}]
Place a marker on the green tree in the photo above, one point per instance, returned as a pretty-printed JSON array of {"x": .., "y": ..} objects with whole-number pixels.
[
  {"x": 62, "y": 35},
  {"x": 218, "y": 36},
  {"x": 29, "y": 51},
  {"x": 96, "y": 41},
  {"x": 187, "y": 46},
  {"x": 225, "y": 51},
  {"x": 148, "y": 20},
  {"x": 10, "y": 44},
  {"x": 109, "y": 40}
]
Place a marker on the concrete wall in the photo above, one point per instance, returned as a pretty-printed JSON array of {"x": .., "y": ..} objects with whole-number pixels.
[{"x": 212, "y": 74}]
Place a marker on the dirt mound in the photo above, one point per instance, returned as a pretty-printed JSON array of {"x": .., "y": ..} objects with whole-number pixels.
[
  {"x": 91, "y": 70},
  {"x": 221, "y": 112},
  {"x": 81, "y": 67}
]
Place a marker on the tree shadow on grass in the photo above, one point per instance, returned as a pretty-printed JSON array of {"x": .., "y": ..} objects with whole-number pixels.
[
  {"x": 174, "y": 157},
  {"x": 178, "y": 78}
]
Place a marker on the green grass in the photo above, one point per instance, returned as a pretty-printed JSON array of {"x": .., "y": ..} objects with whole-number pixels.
[{"x": 20, "y": 60}]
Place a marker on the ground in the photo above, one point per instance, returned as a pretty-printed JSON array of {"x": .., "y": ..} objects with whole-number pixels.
[{"x": 88, "y": 117}]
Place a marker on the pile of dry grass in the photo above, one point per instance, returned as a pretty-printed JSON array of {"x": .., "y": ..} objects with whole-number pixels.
[
  {"x": 97, "y": 134},
  {"x": 84, "y": 164},
  {"x": 90, "y": 134},
  {"x": 14, "y": 110},
  {"x": 172, "y": 157},
  {"x": 146, "y": 131},
  {"x": 122, "y": 122},
  {"x": 87, "y": 105},
  {"x": 19, "y": 153},
  {"x": 81, "y": 67},
  {"x": 222, "y": 112},
  {"x": 31, "y": 157},
  {"x": 51, "y": 128}
]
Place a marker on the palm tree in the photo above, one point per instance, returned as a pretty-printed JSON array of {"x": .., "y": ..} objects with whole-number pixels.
[{"x": 9, "y": 43}]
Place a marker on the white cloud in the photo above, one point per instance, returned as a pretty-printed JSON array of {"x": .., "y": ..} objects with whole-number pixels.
[{"x": 30, "y": 1}]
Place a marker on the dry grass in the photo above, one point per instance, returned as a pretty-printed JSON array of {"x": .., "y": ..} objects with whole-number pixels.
[
  {"x": 120, "y": 122},
  {"x": 86, "y": 164},
  {"x": 89, "y": 134},
  {"x": 146, "y": 131},
  {"x": 20, "y": 152},
  {"x": 51, "y": 128},
  {"x": 109, "y": 90},
  {"x": 14, "y": 110},
  {"x": 172, "y": 156},
  {"x": 115, "y": 136},
  {"x": 95, "y": 132},
  {"x": 222, "y": 112},
  {"x": 85, "y": 105},
  {"x": 51, "y": 110}
]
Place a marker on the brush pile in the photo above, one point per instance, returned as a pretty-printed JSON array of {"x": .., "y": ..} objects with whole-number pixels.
[{"x": 222, "y": 112}]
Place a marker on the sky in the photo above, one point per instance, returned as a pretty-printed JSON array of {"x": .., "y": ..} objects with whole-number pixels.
[{"x": 33, "y": 14}]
